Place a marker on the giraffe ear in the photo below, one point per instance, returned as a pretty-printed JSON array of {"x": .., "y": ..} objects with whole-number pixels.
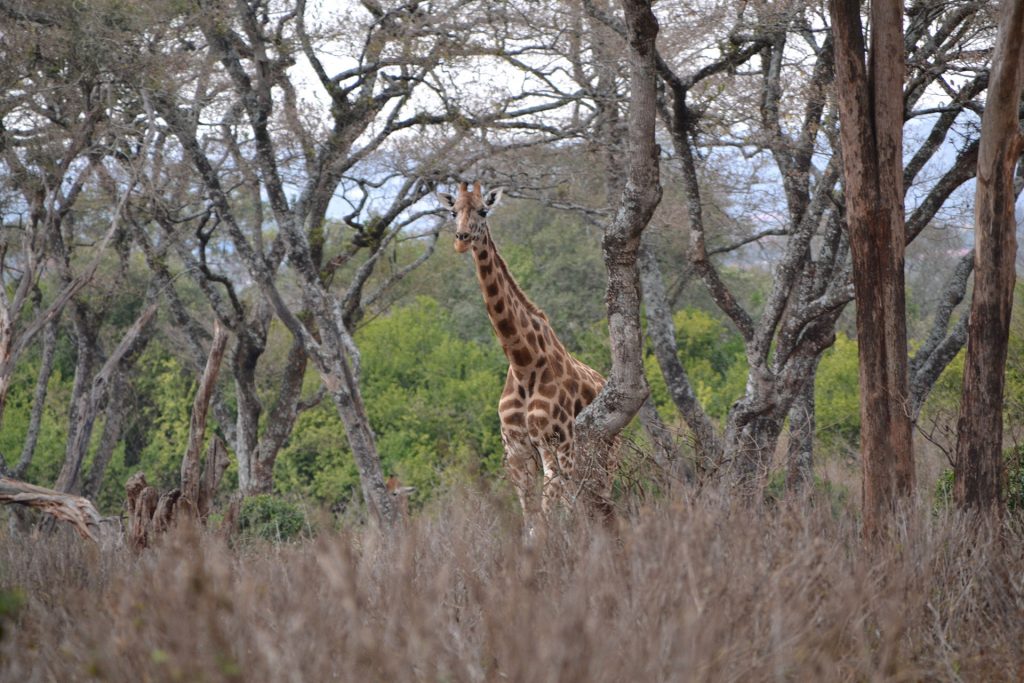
[
  {"x": 493, "y": 197},
  {"x": 447, "y": 201}
]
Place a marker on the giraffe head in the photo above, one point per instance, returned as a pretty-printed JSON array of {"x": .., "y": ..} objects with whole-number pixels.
[{"x": 469, "y": 208}]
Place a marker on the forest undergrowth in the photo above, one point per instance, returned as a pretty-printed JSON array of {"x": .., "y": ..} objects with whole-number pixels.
[{"x": 696, "y": 589}]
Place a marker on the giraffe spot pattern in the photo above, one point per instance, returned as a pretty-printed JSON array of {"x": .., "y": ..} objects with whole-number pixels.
[
  {"x": 522, "y": 356},
  {"x": 559, "y": 433},
  {"x": 513, "y": 419}
]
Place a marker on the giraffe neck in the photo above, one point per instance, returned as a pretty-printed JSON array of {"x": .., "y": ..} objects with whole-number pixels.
[{"x": 522, "y": 328}]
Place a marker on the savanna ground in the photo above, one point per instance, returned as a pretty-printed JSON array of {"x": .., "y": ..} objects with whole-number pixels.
[{"x": 693, "y": 588}]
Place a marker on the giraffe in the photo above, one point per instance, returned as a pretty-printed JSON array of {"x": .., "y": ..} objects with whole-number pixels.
[{"x": 545, "y": 388}]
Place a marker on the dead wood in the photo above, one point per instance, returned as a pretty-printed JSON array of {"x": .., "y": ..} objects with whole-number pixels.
[{"x": 76, "y": 510}]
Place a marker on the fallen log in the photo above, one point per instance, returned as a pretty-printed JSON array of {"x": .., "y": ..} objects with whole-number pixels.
[{"x": 77, "y": 511}]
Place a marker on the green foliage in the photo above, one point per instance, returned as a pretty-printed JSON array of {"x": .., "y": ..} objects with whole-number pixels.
[
  {"x": 271, "y": 518},
  {"x": 944, "y": 488},
  {"x": 714, "y": 360},
  {"x": 165, "y": 392},
  {"x": 431, "y": 398},
  {"x": 837, "y": 394},
  {"x": 49, "y": 452},
  {"x": 316, "y": 461}
]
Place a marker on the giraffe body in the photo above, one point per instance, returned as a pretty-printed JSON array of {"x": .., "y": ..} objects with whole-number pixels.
[{"x": 546, "y": 387}]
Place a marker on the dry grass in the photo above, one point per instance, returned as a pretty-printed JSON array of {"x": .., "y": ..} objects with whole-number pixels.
[{"x": 701, "y": 590}]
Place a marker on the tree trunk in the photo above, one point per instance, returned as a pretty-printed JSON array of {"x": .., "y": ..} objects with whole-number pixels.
[
  {"x": 626, "y": 389},
  {"x": 978, "y": 466},
  {"x": 750, "y": 442},
  {"x": 108, "y": 440},
  {"x": 251, "y": 479},
  {"x": 800, "y": 453},
  {"x": 871, "y": 132},
  {"x": 87, "y": 405},
  {"x": 190, "y": 478},
  {"x": 662, "y": 335},
  {"x": 85, "y": 361},
  {"x": 38, "y": 398}
]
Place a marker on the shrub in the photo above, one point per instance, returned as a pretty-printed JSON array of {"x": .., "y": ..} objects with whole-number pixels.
[{"x": 271, "y": 518}]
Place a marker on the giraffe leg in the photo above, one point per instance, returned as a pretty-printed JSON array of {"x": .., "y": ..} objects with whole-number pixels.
[
  {"x": 560, "y": 484},
  {"x": 521, "y": 465}
]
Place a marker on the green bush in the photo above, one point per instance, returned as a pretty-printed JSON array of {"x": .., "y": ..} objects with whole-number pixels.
[
  {"x": 713, "y": 358},
  {"x": 271, "y": 518},
  {"x": 432, "y": 399},
  {"x": 837, "y": 395}
]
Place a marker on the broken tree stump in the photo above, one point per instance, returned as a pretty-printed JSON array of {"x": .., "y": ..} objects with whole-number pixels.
[{"x": 151, "y": 514}]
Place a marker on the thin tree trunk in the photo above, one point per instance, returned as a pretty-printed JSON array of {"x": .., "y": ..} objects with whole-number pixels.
[
  {"x": 190, "y": 481},
  {"x": 978, "y": 467},
  {"x": 250, "y": 480},
  {"x": 282, "y": 415},
  {"x": 38, "y": 398},
  {"x": 111, "y": 435},
  {"x": 87, "y": 405},
  {"x": 85, "y": 363},
  {"x": 662, "y": 335},
  {"x": 870, "y": 102}
]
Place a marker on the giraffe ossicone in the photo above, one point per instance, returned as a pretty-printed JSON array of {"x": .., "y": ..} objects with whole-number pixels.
[{"x": 546, "y": 386}]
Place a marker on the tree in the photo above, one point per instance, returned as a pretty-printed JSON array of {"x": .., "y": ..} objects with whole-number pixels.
[
  {"x": 709, "y": 112},
  {"x": 267, "y": 145},
  {"x": 871, "y": 130},
  {"x": 626, "y": 388},
  {"x": 56, "y": 133},
  {"x": 978, "y": 467}
]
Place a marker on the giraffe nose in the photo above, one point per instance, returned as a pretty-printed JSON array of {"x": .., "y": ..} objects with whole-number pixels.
[{"x": 462, "y": 236}]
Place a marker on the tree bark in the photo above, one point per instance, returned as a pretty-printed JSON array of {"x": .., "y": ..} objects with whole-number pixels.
[
  {"x": 111, "y": 435},
  {"x": 662, "y": 335},
  {"x": 38, "y": 398},
  {"x": 626, "y": 388},
  {"x": 87, "y": 405},
  {"x": 978, "y": 467},
  {"x": 58, "y": 504},
  {"x": 800, "y": 453},
  {"x": 190, "y": 478},
  {"x": 870, "y": 100}
]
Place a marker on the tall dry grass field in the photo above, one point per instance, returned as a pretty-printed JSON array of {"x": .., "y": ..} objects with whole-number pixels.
[{"x": 694, "y": 591}]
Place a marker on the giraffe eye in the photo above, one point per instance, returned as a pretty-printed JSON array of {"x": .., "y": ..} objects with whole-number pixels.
[
  {"x": 482, "y": 213},
  {"x": 453, "y": 214}
]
